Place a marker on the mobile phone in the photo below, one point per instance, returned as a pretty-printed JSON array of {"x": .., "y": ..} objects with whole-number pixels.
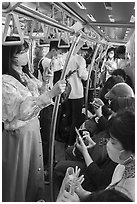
[
  {"x": 77, "y": 132},
  {"x": 95, "y": 104},
  {"x": 78, "y": 135}
]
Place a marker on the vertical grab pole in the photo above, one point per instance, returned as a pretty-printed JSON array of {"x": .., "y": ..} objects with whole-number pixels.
[
  {"x": 54, "y": 119},
  {"x": 104, "y": 58},
  {"x": 95, "y": 81},
  {"x": 87, "y": 84},
  {"x": 31, "y": 56}
]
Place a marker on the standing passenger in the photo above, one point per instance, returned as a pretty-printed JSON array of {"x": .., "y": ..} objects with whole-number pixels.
[
  {"x": 124, "y": 63},
  {"x": 46, "y": 114},
  {"x": 121, "y": 57},
  {"x": 22, "y": 157},
  {"x": 75, "y": 100},
  {"x": 110, "y": 64},
  {"x": 46, "y": 62}
]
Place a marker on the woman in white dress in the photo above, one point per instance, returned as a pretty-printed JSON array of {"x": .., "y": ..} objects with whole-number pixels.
[{"x": 22, "y": 157}]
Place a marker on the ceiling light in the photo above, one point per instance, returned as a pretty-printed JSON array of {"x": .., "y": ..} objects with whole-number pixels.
[
  {"x": 108, "y": 5},
  {"x": 132, "y": 19},
  {"x": 91, "y": 17},
  {"x": 111, "y": 18},
  {"x": 81, "y": 6},
  {"x": 128, "y": 29}
]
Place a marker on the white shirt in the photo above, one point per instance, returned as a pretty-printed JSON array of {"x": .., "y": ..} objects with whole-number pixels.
[
  {"x": 46, "y": 64},
  {"x": 58, "y": 62},
  {"x": 77, "y": 62}
]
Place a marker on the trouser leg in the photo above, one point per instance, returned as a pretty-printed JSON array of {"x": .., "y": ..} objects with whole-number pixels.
[{"x": 77, "y": 105}]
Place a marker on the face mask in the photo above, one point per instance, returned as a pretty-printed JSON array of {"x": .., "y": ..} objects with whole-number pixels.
[
  {"x": 23, "y": 59},
  {"x": 111, "y": 55},
  {"x": 114, "y": 153}
]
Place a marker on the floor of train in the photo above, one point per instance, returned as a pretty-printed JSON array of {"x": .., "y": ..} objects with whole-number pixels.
[{"x": 59, "y": 156}]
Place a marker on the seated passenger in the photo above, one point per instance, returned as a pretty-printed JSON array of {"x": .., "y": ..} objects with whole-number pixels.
[
  {"x": 107, "y": 195},
  {"x": 108, "y": 85},
  {"x": 118, "y": 90},
  {"x": 97, "y": 152},
  {"x": 119, "y": 72},
  {"x": 121, "y": 149}
]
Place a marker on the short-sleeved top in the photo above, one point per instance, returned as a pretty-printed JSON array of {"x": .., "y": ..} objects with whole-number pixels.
[
  {"x": 57, "y": 63},
  {"x": 46, "y": 64},
  {"x": 78, "y": 63},
  {"x": 124, "y": 178}
]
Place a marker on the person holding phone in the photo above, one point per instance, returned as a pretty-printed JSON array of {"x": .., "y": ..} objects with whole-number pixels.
[
  {"x": 75, "y": 100},
  {"x": 121, "y": 149}
]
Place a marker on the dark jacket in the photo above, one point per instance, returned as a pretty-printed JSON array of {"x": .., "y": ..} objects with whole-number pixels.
[{"x": 98, "y": 177}]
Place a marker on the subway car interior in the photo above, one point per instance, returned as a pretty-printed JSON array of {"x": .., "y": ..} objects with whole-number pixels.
[{"x": 68, "y": 101}]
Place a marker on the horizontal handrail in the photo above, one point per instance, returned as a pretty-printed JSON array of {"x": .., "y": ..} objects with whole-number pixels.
[{"x": 33, "y": 14}]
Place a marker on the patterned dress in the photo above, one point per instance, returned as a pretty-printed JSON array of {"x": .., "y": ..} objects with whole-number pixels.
[
  {"x": 22, "y": 157},
  {"x": 123, "y": 178}
]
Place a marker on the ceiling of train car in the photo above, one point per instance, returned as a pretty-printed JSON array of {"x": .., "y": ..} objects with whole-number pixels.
[
  {"x": 107, "y": 12},
  {"x": 104, "y": 12}
]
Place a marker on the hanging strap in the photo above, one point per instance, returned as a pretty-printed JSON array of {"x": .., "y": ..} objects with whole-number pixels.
[{"x": 6, "y": 28}]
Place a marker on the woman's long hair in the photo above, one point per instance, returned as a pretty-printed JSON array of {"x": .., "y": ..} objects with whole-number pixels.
[
  {"x": 109, "y": 50},
  {"x": 8, "y": 57}
]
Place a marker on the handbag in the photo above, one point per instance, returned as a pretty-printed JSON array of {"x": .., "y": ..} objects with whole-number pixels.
[{"x": 66, "y": 93}]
